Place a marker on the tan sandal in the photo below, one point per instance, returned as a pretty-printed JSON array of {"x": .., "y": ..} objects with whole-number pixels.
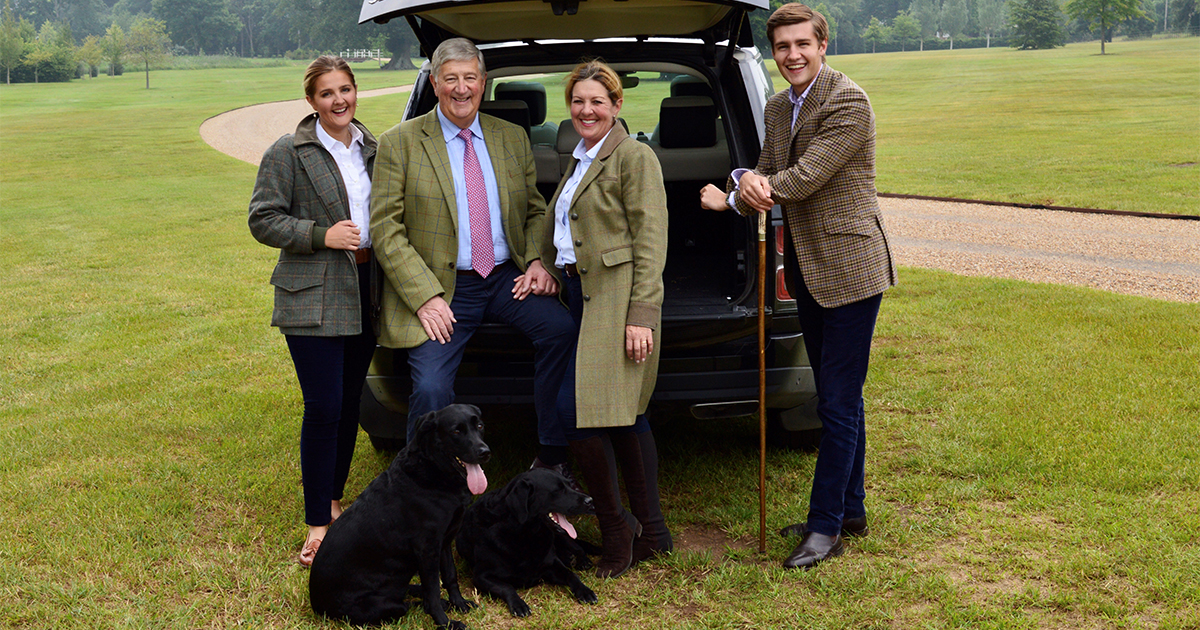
[{"x": 309, "y": 551}]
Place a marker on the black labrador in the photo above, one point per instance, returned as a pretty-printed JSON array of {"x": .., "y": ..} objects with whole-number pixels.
[
  {"x": 519, "y": 537},
  {"x": 403, "y": 524}
]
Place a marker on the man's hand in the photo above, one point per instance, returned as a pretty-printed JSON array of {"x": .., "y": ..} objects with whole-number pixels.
[
  {"x": 437, "y": 319},
  {"x": 639, "y": 342},
  {"x": 755, "y": 190},
  {"x": 713, "y": 198},
  {"x": 343, "y": 235},
  {"x": 535, "y": 280}
]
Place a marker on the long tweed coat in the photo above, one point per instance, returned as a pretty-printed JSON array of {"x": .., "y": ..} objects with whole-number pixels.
[
  {"x": 822, "y": 172},
  {"x": 619, "y": 224},
  {"x": 298, "y": 196},
  {"x": 414, "y": 220}
]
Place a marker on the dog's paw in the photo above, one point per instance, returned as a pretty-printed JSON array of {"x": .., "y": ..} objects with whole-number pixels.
[
  {"x": 462, "y": 604},
  {"x": 518, "y": 607},
  {"x": 453, "y": 624},
  {"x": 585, "y": 595}
]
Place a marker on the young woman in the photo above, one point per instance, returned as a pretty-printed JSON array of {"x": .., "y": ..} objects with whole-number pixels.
[
  {"x": 312, "y": 201},
  {"x": 606, "y": 235}
]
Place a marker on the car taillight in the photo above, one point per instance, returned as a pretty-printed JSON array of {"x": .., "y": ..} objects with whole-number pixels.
[{"x": 781, "y": 292}]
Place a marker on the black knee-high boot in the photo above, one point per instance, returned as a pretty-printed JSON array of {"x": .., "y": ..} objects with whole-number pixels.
[
  {"x": 638, "y": 457},
  {"x": 616, "y": 534}
]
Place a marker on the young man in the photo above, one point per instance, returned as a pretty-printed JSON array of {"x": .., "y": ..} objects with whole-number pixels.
[
  {"x": 818, "y": 163},
  {"x": 457, "y": 220}
]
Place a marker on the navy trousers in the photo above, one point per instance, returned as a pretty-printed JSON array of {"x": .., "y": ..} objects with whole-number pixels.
[
  {"x": 331, "y": 371},
  {"x": 541, "y": 318},
  {"x": 838, "y": 341}
]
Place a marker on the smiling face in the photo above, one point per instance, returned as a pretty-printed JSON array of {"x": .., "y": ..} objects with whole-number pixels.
[
  {"x": 335, "y": 98},
  {"x": 459, "y": 88},
  {"x": 797, "y": 53},
  {"x": 592, "y": 111}
]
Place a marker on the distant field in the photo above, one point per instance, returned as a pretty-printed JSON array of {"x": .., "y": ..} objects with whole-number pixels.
[{"x": 1061, "y": 127}]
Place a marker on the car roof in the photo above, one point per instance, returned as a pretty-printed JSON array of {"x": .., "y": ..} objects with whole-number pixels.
[{"x": 508, "y": 20}]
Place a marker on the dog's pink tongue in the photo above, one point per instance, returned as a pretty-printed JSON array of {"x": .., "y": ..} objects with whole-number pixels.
[
  {"x": 476, "y": 480},
  {"x": 562, "y": 521}
]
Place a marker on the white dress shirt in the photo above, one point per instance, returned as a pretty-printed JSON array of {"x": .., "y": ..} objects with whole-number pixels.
[
  {"x": 456, "y": 148},
  {"x": 350, "y": 163},
  {"x": 562, "y": 208}
]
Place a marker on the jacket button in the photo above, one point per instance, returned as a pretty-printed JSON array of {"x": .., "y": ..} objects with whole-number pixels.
[
  {"x": 450, "y": 265},
  {"x": 582, "y": 270},
  {"x": 578, "y": 243},
  {"x": 574, "y": 216},
  {"x": 587, "y": 298}
]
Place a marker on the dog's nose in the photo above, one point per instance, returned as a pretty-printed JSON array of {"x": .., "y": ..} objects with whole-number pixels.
[
  {"x": 484, "y": 454},
  {"x": 589, "y": 504}
]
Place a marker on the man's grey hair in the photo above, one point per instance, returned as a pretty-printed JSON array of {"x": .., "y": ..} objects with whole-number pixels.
[{"x": 457, "y": 49}]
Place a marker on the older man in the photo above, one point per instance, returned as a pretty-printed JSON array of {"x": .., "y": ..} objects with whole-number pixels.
[{"x": 456, "y": 220}]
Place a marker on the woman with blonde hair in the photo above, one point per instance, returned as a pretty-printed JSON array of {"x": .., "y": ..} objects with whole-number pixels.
[
  {"x": 312, "y": 201},
  {"x": 606, "y": 236}
]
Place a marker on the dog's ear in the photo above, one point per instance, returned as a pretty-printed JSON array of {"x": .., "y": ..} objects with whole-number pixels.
[
  {"x": 518, "y": 498},
  {"x": 426, "y": 429}
]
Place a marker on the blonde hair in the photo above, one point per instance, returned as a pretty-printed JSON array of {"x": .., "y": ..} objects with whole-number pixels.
[
  {"x": 595, "y": 70},
  {"x": 321, "y": 66}
]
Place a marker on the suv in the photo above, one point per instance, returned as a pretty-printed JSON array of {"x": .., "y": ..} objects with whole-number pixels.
[{"x": 697, "y": 100}]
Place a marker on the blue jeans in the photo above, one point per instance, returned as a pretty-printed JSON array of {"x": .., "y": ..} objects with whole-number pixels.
[
  {"x": 541, "y": 318},
  {"x": 331, "y": 371},
  {"x": 572, "y": 291},
  {"x": 838, "y": 341}
]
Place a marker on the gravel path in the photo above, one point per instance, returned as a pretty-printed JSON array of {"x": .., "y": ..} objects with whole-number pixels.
[{"x": 1150, "y": 257}]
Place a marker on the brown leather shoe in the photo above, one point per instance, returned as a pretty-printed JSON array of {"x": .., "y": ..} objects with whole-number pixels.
[
  {"x": 814, "y": 549},
  {"x": 851, "y": 528}
]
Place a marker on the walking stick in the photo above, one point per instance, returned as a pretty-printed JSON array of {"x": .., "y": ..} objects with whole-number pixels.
[{"x": 762, "y": 382}]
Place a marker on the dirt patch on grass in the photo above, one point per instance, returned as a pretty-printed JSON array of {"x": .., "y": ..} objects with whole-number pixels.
[{"x": 698, "y": 538}]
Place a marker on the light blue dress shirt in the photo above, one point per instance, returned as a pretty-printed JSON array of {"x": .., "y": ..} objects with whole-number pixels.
[
  {"x": 456, "y": 148},
  {"x": 562, "y": 222}
]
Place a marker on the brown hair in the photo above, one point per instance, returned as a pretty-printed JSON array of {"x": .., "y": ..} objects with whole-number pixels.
[
  {"x": 321, "y": 66},
  {"x": 595, "y": 70},
  {"x": 796, "y": 13}
]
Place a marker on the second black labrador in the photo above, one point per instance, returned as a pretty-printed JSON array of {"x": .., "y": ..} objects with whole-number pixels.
[
  {"x": 519, "y": 537},
  {"x": 403, "y": 524}
]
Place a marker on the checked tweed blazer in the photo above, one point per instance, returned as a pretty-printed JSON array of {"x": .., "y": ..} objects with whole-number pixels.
[
  {"x": 822, "y": 172},
  {"x": 414, "y": 220},
  {"x": 298, "y": 196}
]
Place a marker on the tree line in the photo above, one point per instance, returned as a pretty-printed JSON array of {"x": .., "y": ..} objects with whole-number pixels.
[
  {"x": 56, "y": 40},
  {"x": 864, "y": 26}
]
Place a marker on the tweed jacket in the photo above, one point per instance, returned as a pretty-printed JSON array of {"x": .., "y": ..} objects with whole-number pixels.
[
  {"x": 298, "y": 196},
  {"x": 822, "y": 172},
  {"x": 619, "y": 227},
  {"x": 414, "y": 219}
]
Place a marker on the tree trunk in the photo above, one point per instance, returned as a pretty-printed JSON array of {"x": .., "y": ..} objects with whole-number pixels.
[
  {"x": 1102, "y": 43},
  {"x": 147, "y": 74},
  {"x": 989, "y": 39}
]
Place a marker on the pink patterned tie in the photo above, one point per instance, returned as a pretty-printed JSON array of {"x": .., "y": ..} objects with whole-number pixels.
[{"x": 483, "y": 257}]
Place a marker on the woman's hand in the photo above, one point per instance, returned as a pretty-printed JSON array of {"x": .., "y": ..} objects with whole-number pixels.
[
  {"x": 535, "y": 280},
  {"x": 713, "y": 198},
  {"x": 343, "y": 235},
  {"x": 639, "y": 342}
]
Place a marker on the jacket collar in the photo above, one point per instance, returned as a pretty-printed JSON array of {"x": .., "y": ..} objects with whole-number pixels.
[
  {"x": 818, "y": 93},
  {"x": 306, "y": 133}
]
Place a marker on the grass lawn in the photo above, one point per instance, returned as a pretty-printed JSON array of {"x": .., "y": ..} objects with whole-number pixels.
[
  {"x": 1034, "y": 456},
  {"x": 1065, "y": 127}
]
